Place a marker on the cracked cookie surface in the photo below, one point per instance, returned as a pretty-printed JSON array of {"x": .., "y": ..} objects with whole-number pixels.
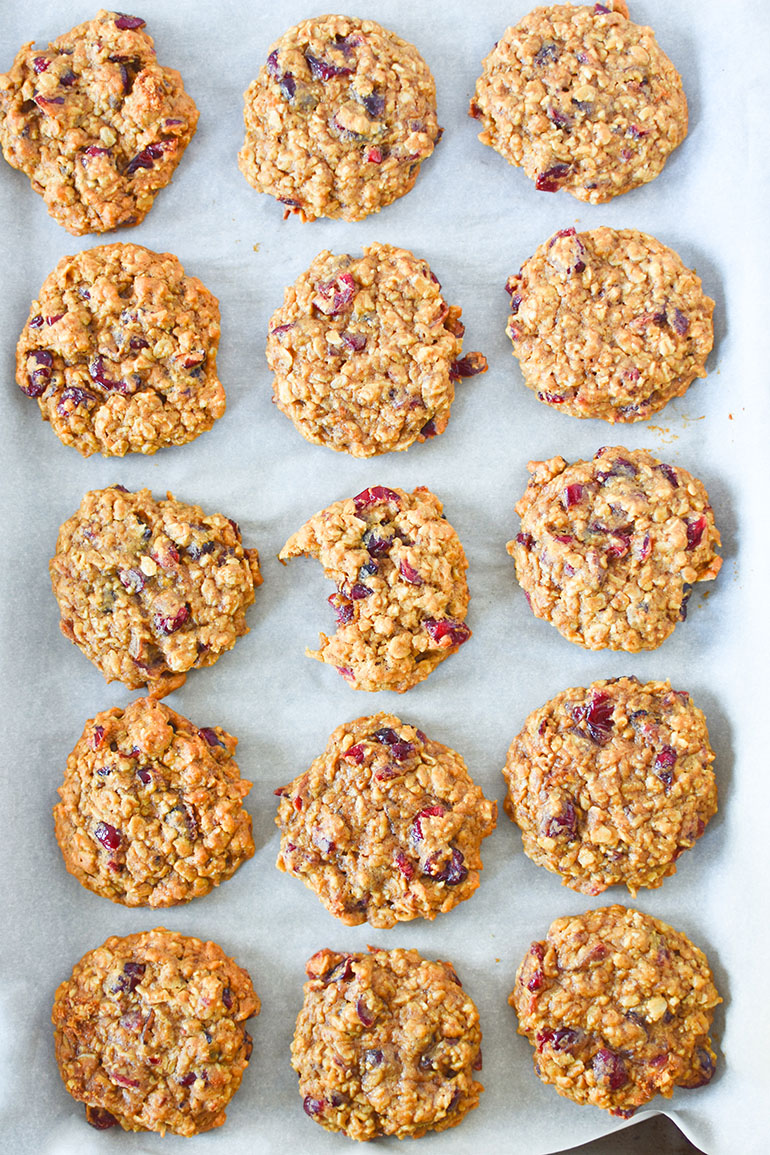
[
  {"x": 582, "y": 99},
  {"x": 95, "y": 122},
  {"x": 365, "y": 352},
  {"x": 608, "y": 323},
  {"x": 618, "y": 1006},
  {"x": 401, "y": 595},
  {"x": 339, "y": 119},
  {"x": 608, "y": 548},
  {"x": 120, "y": 351},
  {"x": 386, "y": 825},
  {"x": 151, "y": 810},
  {"x": 610, "y": 783},
  {"x": 149, "y": 1032},
  {"x": 386, "y": 1044},
  {"x": 149, "y": 590}
]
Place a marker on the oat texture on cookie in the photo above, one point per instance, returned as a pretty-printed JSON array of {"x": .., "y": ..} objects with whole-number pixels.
[
  {"x": 386, "y": 1043},
  {"x": 608, "y": 323},
  {"x": 610, "y": 783},
  {"x": 582, "y": 99},
  {"x": 401, "y": 595},
  {"x": 120, "y": 351},
  {"x": 386, "y": 825},
  {"x": 150, "y": 1032},
  {"x": 618, "y": 1007},
  {"x": 151, "y": 810},
  {"x": 339, "y": 119},
  {"x": 95, "y": 122},
  {"x": 366, "y": 352},
  {"x": 150, "y": 589},
  {"x": 609, "y": 548}
]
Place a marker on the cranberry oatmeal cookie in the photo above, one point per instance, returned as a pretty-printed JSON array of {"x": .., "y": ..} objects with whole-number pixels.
[
  {"x": 120, "y": 351},
  {"x": 366, "y": 352},
  {"x": 581, "y": 99},
  {"x": 609, "y": 548},
  {"x": 95, "y": 122},
  {"x": 386, "y": 1044},
  {"x": 151, "y": 589},
  {"x": 149, "y": 1032},
  {"x": 151, "y": 810},
  {"x": 608, "y": 323},
  {"x": 386, "y": 825},
  {"x": 611, "y": 783},
  {"x": 339, "y": 119},
  {"x": 618, "y": 1006},
  {"x": 401, "y": 595}
]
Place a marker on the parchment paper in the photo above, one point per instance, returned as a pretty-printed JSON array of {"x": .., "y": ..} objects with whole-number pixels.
[{"x": 475, "y": 219}]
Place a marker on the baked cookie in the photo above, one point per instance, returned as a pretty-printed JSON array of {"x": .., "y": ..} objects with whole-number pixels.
[
  {"x": 120, "y": 350},
  {"x": 151, "y": 589},
  {"x": 608, "y": 323},
  {"x": 618, "y": 1006},
  {"x": 581, "y": 99},
  {"x": 609, "y": 548},
  {"x": 401, "y": 593},
  {"x": 95, "y": 122},
  {"x": 386, "y": 825},
  {"x": 386, "y": 1044},
  {"x": 339, "y": 120},
  {"x": 366, "y": 352},
  {"x": 149, "y": 1032},
  {"x": 610, "y": 783},
  {"x": 151, "y": 810}
]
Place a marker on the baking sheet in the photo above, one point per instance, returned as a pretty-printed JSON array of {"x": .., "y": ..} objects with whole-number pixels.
[{"x": 475, "y": 219}]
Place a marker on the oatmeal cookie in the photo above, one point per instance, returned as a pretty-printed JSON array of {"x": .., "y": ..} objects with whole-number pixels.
[
  {"x": 609, "y": 548},
  {"x": 151, "y": 810},
  {"x": 608, "y": 323},
  {"x": 386, "y": 825},
  {"x": 610, "y": 783},
  {"x": 339, "y": 120},
  {"x": 95, "y": 122},
  {"x": 120, "y": 350},
  {"x": 401, "y": 594},
  {"x": 151, "y": 589},
  {"x": 366, "y": 352},
  {"x": 618, "y": 1006},
  {"x": 581, "y": 99},
  {"x": 149, "y": 1032},
  {"x": 386, "y": 1044}
]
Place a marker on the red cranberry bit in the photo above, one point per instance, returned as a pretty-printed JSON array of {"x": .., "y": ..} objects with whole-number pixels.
[
  {"x": 353, "y": 342},
  {"x": 100, "y": 1119},
  {"x": 210, "y": 736},
  {"x": 39, "y": 377},
  {"x": 334, "y": 297},
  {"x": 664, "y": 764},
  {"x": 415, "y": 832},
  {"x": 374, "y": 155},
  {"x": 312, "y": 1107},
  {"x": 129, "y": 23},
  {"x": 41, "y": 101},
  {"x": 409, "y": 573},
  {"x": 680, "y": 322},
  {"x": 77, "y": 396},
  {"x": 35, "y": 322},
  {"x": 599, "y": 9},
  {"x": 373, "y": 1058},
  {"x": 94, "y": 150},
  {"x": 374, "y": 105},
  {"x": 166, "y": 625},
  {"x": 553, "y": 178},
  {"x": 551, "y": 398},
  {"x": 322, "y": 70},
  {"x": 609, "y": 1067},
  {"x": 548, "y": 54},
  {"x": 340, "y": 972},
  {"x": 359, "y": 591},
  {"x": 429, "y": 429},
  {"x": 452, "y": 873},
  {"x": 147, "y": 157},
  {"x": 559, "y": 119},
  {"x": 706, "y": 1067},
  {"x": 597, "y": 716},
  {"x": 572, "y": 495},
  {"x": 96, "y": 369},
  {"x": 619, "y": 468},
  {"x": 468, "y": 366},
  {"x": 377, "y": 546},
  {"x": 188, "y": 1079},
  {"x": 107, "y": 835},
  {"x": 144, "y": 774},
  {"x": 374, "y": 496},
  {"x": 364, "y": 1014},
  {"x": 133, "y": 579},
  {"x": 97, "y": 738},
  {"x": 695, "y": 531},
  {"x": 272, "y": 65},
  {"x": 129, "y": 980},
  {"x": 41, "y": 63},
  {"x": 298, "y": 803},
  {"x": 399, "y": 747},
  {"x": 560, "y": 1039},
  {"x": 404, "y": 865},
  {"x": 526, "y": 540},
  {"x": 355, "y": 753},
  {"x": 669, "y": 474},
  {"x": 563, "y": 824},
  {"x": 345, "y": 672},
  {"x": 227, "y": 998},
  {"x": 456, "y": 632}
]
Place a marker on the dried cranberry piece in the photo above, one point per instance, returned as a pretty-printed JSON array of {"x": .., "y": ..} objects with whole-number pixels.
[
  {"x": 468, "y": 366},
  {"x": 409, "y": 573},
  {"x": 356, "y": 753},
  {"x": 705, "y": 1070},
  {"x": 107, "y": 835},
  {"x": 210, "y": 736},
  {"x": 429, "y": 429},
  {"x": 537, "y": 978},
  {"x": 188, "y": 1079},
  {"x": 40, "y": 64},
  {"x": 563, "y": 824},
  {"x": 96, "y": 369},
  {"x": 99, "y": 1118},
  {"x": 695, "y": 531},
  {"x": 129, "y": 980},
  {"x": 669, "y": 474},
  {"x": 553, "y": 178},
  {"x": 374, "y": 105},
  {"x": 323, "y": 70},
  {"x": 129, "y": 23},
  {"x": 547, "y": 54},
  {"x": 364, "y": 1013},
  {"x": 227, "y": 998},
  {"x": 358, "y": 591},
  {"x": 404, "y": 865},
  {"x": 313, "y": 1107},
  {"x": 341, "y": 972},
  {"x": 133, "y": 579},
  {"x": 456, "y": 632},
  {"x": 560, "y": 1039},
  {"x": 620, "y": 467},
  {"x": 597, "y": 716},
  {"x": 334, "y": 297},
  {"x": 377, "y": 546},
  {"x": 526, "y": 540},
  {"x": 374, "y": 155},
  {"x": 144, "y": 774},
  {"x": 373, "y": 1057},
  {"x": 287, "y": 85},
  {"x": 94, "y": 150},
  {"x": 452, "y": 873},
  {"x": 415, "y": 831},
  {"x": 664, "y": 764},
  {"x": 560, "y": 120},
  {"x": 572, "y": 495},
  {"x": 272, "y": 64},
  {"x": 147, "y": 157},
  {"x": 345, "y": 672},
  {"x": 680, "y": 322},
  {"x": 77, "y": 396},
  {"x": 97, "y": 738},
  {"x": 353, "y": 342},
  {"x": 40, "y": 376},
  {"x": 374, "y": 496},
  {"x": 399, "y": 747},
  {"x": 165, "y": 624},
  {"x": 609, "y": 1067}
]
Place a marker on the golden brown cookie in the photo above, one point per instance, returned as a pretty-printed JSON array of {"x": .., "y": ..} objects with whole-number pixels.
[
  {"x": 618, "y": 1007},
  {"x": 120, "y": 351},
  {"x": 582, "y": 99},
  {"x": 95, "y": 122},
  {"x": 339, "y": 119},
  {"x": 386, "y": 825},
  {"x": 366, "y": 352},
  {"x": 386, "y": 1044},
  {"x": 151, "y": 810},
  {"x": 608, "y": 323},
  {"x": 149, "y": 1032},
  {"x": 611, "y": 783},
  {"x": 401, "y": 594},
  {"x": 609, "y": 548},
  {"x": 151, "y": 589}
]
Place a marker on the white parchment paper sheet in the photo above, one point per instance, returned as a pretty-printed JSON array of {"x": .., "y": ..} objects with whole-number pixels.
[{"x": 475, "y": 219}]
